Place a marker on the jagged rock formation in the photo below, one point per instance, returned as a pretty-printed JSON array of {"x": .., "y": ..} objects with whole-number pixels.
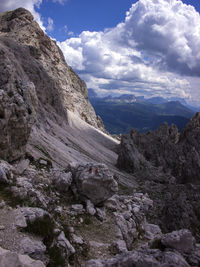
[{"x": 164, "y": 149}]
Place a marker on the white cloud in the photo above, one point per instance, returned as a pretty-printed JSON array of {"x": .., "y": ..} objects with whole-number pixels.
[
  {"x": 152, "y": 52},
  {"x": 8, "y": 5},
  {"x": 50, "y": 25},
  {"x": 59, "y": 1},
  {"x": 167, "y": 30}
]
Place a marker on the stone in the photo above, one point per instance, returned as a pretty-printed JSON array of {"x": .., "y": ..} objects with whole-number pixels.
[
  {"x": 181, "y": 240},
  {"x": 3, "y": 176},
  {"x": 35, "y": 249},
  {"x": 94, "y": 182},
  {"x": 2, "y": 227},
  {"x": 77, "y": 239},
  {"x": 152, "y": 231},
  {"x": 23, "y": 215},
  {"x": 8, "y": 259},
  {"x": 118, "y": 247},
  {"x": 90, "y": 207},
  {"x": 78, "y": 208},
  {"x": 2, "y": 204},
  {"x": 22, "y": 166},
  {"x": 64, "y": 243},
  {"x": 62, "y": 180},
  {"x": 141, "y": 257},
  {"x": 101, "y": 214}
]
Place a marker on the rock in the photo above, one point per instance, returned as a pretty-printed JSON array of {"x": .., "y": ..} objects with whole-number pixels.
[
  {"x": 165, "y": 148},
  {"x": 101, "y": 214},
  {"x": 22, "y": 166},
  {"x": 12, "y": 259},
  {"x": 62, "y": 180},
  {"x": 78, "y": 208},
  {"x": 143, "y": 258},
  {"x": 152, "y": 231},
  {"x": 60, "y": 90},
  {"x": 2, "y": 227},
  {"x": 118, "y": 247},
  {"x": 23, "y": 215},
  {"x": 35, "y": 249},
  {"x": 94, "y": 182},
  {"x": 90, "y": 207},
  {"x": 77, "y": 239},
  {"x": 64, "y": 244},
  {"x": 6, "y": 173},
  {"x": 3, "y": 177},
  {"x": 181, "y": 240},
  {"x": 2, "y": 204}
]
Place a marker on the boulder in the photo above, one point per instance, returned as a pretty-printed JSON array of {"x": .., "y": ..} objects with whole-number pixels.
[
  {"x": 181, "y": 240},
  {"x": 142, "y": 258},
  {"x": 94, "y": 182},
  {"x": 62, "y": 180},
  {"x": 35, "y": 249},
  {"x": 12, "y": 259}
]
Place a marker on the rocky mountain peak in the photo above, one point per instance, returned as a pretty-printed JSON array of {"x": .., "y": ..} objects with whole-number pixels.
[{"x": 35, "y": 82}]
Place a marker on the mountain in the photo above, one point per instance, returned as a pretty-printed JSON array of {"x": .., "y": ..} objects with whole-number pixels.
[
  {"x": 71, "y": 195},
  {"x": 121, "y": 114}
]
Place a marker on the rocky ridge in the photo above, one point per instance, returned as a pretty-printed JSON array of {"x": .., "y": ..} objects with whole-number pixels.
[{"x": 63, "y": 202}]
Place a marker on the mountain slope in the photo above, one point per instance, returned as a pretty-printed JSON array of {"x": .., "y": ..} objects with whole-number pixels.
[{"x": 120, "y": 117}]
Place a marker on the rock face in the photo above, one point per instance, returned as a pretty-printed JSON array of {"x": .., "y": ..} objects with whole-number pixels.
[
  {"x": 164, "y": 149},
  {"x": 34, "y": 80}
]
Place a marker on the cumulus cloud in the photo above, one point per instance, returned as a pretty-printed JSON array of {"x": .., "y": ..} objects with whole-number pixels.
[
  {"x": 7, "y": 5},
  {"x": 168, "y": 31},
  {"x": 152, "y": 51},
  {"x": 50, "y": 25}
]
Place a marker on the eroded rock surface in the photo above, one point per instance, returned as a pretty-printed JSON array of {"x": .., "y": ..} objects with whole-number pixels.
[{"x": 165, "y": 149}]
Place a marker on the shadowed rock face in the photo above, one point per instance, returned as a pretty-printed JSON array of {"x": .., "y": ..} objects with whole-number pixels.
[
  {"x": 164, "y": 149},
  {"x": 34, "y": 80}
]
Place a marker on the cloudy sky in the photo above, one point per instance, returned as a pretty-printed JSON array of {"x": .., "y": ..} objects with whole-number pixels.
[{"x": 144, "y": 47}]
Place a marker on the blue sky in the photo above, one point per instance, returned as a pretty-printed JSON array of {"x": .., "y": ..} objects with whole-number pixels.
[
  {"x": 144, "y": 47},
  {"x": 84, "y": 15}
]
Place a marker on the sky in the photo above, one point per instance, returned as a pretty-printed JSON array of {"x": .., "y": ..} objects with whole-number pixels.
[{"x": 144, "y": 47}]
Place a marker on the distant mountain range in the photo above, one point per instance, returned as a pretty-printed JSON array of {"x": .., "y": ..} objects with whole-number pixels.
[{"x": 122, "y": 113}]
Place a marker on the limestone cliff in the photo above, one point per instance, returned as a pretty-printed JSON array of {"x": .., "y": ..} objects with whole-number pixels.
[{"x": 35, "y": 80}]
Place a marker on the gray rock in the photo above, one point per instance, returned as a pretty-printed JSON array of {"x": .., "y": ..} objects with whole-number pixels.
[
  {"x": 118, "y": 247},
  {"x": 12, "y": 259},
  {"x": 152, "y": 231},
  {"x": 77, "y": 239},
  {"x": 64, "y": 244},
  {"x": 78, "y": 208},
  {"x": 94, "y": 182},
  {"x": 2, "y": 204},
  {"x": 181, "y": 240},
  {"x": 3, "y": 176},
  {"x": 165, "y": 148},
  {"x": 90, "y": 207},
  {"x": 22, "y": 215},
  {"x": 22, "y": 166},
  {"x": 101, "y": 214},
  {"x": 62, "y": 180},
  {"x": 142, "y": 258},
  {"x": 35, "y": 249}
]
